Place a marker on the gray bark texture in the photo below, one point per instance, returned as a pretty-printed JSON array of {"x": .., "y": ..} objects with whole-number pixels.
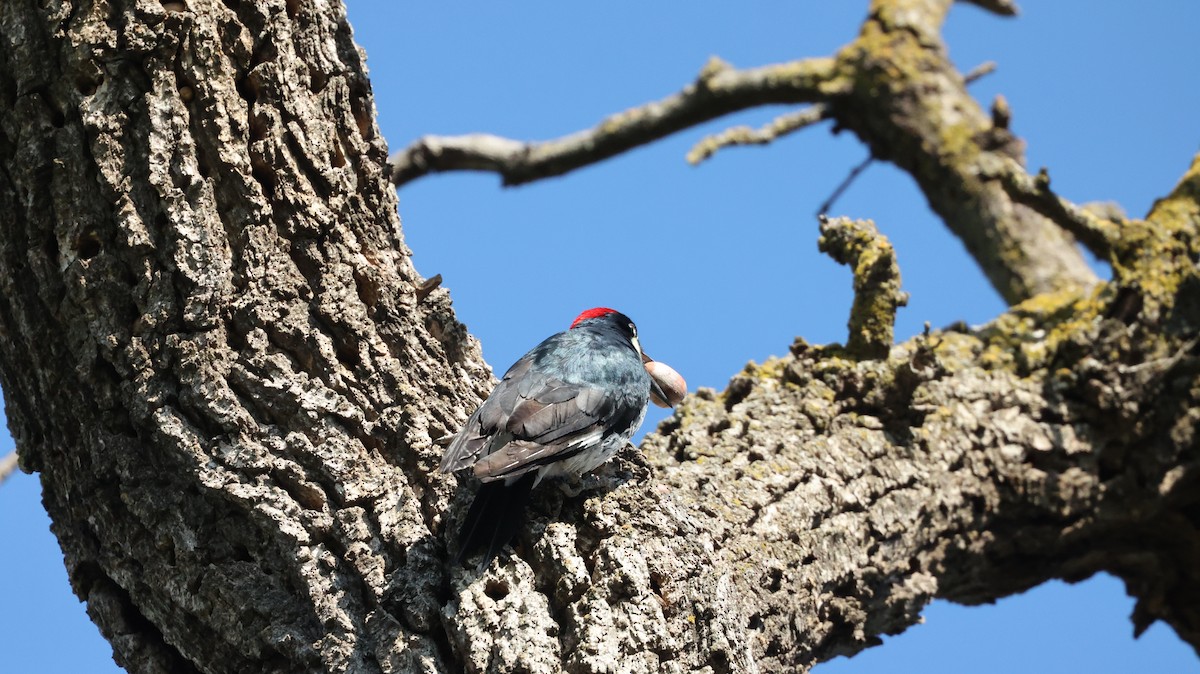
[{"x": 218, "y": 357}]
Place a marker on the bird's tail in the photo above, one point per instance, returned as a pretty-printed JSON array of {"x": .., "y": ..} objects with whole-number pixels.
[{"x": 494, "y": 518}]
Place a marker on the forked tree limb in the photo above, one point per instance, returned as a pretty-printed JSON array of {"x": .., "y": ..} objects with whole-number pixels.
[
  {"x": 1098, "y": 233},
  {"x": 719, "y": 90},
  {"x": 894, "y": 86}
]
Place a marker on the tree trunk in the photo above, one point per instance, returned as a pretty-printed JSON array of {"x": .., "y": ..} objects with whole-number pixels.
[
  {"x": 218, "y": 356},
  {"x": 216, "y": 351}
]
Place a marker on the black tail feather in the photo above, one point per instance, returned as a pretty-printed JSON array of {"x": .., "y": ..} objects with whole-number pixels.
[{"x": 494, "y": 518}]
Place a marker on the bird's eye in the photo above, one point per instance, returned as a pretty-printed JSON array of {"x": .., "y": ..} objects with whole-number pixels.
[{"x": 633, "y": 329}]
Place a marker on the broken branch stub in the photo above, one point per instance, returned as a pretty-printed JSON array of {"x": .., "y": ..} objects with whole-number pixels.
[{"x": 877, "y": 295}]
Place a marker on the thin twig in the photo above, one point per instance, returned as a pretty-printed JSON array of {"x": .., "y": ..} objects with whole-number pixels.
[
  {"x": 8, "y": 465},
  {"x": 1099, "y": 234},
  {"x": 980, "y": 71},
  {"x": 1001, "y": 7},
  {"x": 719, "y": 90},
  {"x": 1161, "y": 365},
  {"x": 845, "y": 184},
  {"x": 744, "y": 135}
]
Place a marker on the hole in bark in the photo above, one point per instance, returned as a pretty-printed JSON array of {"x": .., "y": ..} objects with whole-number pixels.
[
  {"x": 362, "y": 117},
  {"x": 265, "y": 51},
  {"x": 203, "y": 165},
  {"x": 368, "y": 289},
  {"x": 87, "y": 246},
  {"x": 87, "y": 86},
  {"x": 248, "y": 89},
  {"x": 8, "y": 91},
  {"x": 56, "y": 115},
  {"x": 339, "y": 157},
  {"x": 774, "y": 648},
  {"x": 235, "y": 339},
  {"x": 263, "y": 174},
  {"x": 496, "y": 589},
  {"x": 84, "y": 576},
  {"x": 51, "y": 249},
  {"x": 105, "y": 372},
  {"x": 774, "y": 581},
  {"x": 259, "y": 126},
  {"x": 317, "y": 80},
  {"x": 755, "y": 622},
  {"x": 656, "y": 586},
  {"x": 656, "y": 582},
  {"x": 347, "y": 355},
  {"x": 293, "y": 8}
]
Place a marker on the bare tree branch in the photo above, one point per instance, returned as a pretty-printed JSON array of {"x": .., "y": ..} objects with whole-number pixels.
[
  {"x": 786, "y": 124},
  {"x": 1094, "y": 231},
  {"x": 719, "y": 90},
  {"x": 979, "y": 72},
  {"x": 838, "y": 191},
  {"x": 911, "y": 107},
  {"x": 882, "y": 90},
  {"x": 744, "y": 135}
]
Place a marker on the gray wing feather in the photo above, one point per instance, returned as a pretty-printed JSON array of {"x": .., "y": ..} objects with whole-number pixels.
[
  {"x": 465, "y": 446},
  {"x": 529, "y": 420},
  {"x": 491, "y": 417},
  {"x": 553, "y": 417}
]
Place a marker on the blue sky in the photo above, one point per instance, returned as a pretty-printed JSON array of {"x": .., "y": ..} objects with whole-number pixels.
[{"x": 718, "y": 264}]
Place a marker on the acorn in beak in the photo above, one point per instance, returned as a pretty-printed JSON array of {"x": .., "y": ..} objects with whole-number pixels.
[{"x": 667, "y": 387}]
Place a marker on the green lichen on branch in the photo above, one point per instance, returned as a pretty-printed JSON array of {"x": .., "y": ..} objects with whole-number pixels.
[
  {"x": 877, "y": 294},
  {"x": 1057, "y": 441},
  {"x": 909, "y": 105}
]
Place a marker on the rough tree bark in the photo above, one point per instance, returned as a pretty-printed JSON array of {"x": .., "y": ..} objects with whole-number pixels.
[{"x": 217, "y": 355}]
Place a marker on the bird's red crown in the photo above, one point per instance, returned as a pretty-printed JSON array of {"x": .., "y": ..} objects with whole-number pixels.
[{"x": 592, "y": 313}]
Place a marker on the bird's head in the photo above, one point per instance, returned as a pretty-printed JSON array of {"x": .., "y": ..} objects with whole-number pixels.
[
  {"x": 610, "y": 318},
  {"x": 667, "y": 388}
]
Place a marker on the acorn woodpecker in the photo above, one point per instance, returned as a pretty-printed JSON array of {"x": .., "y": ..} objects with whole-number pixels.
[{"x": 563, "y": 409}]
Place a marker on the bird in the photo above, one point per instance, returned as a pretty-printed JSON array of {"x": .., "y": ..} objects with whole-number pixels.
[{"x": 562, "y": 410}]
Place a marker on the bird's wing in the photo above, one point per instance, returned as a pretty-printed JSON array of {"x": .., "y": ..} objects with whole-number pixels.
[
  {"x": 550, "y": 421},
  {"x": 486, "y": 422},
  {"x": 530, "y": 420}
]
